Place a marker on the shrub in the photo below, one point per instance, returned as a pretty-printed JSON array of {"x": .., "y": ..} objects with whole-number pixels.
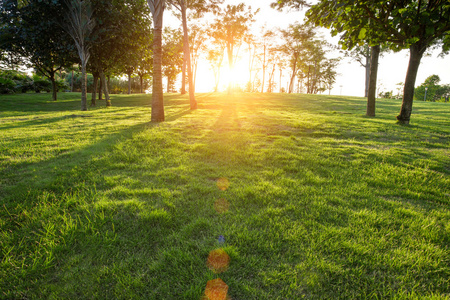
[
  {"x": 7, "y": 86},
  {"x": 14, "y": 82},
  {"x": 41, "y": 84}
]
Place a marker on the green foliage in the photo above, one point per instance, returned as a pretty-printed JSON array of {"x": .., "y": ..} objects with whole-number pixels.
[
  {"x": 324, "y": 202},
  {"x": 117, "y": 85},
  {"x": 122, "y": 36},
  {"x": 398, "y": 24},
  {"x": 77, "y": 81},
  {"x": 230, "y": 26},
  {"x": 17, "y": 82},
  {"x": 386, "y": 95},
  {"x": 296, "y": 4},
  {"x": 307, "y": 57},
  {"x": 41, "y": 84},
  {"x": 120, "y": 86},
  {"x": 7, "y": 85},
  {"x": 434, "y": 91},
  {"x": 172, "y": 51}
]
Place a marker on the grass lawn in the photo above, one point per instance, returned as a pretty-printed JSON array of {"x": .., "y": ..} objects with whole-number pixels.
[{"x": 314, "y": 200}]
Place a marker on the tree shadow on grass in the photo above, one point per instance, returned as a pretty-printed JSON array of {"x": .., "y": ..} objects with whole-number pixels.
[
  {"x": 104, "y": 227},
  {"x": 60, "y": 233}
]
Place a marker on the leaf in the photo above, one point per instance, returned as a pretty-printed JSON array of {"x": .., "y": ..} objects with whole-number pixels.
[{"x": 362, "y": 34}]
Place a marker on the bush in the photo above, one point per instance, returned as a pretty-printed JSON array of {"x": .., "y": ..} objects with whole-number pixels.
[
  {"x": 434, "y": 91},
  {"x": 62, "y": 85},
  {"x": 77, "y": 82},
  {"x": 14, "y": 82},
  {"x": 7, "y": 86},
  {"x": 41, "y": 84}
]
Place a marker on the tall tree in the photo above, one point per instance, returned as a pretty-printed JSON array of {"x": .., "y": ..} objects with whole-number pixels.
[
  {"x": 354, "y": 32},
  {"x": 144, "y": 67},
  {"x": 329, "y": 74},
  {"x": 315, "y": 66},
  {"x": 80, "y": 25},
  {"x": 32, "y": 30},
  {"x": 173, "y": 56},
  {"x": 267, "y": 53},
  {"x": 371, "y": 92},
  {"x": 295, "y": 40},
  {"x": 215, "y": 58},
  {"x": 230, "y": 27},
  {"x": 412, "y": 24},
  {"x": 197, "y": 42},
  {"x": 200, "y": 7},
  {"x": 121, "y": 39},
  {"x": 157, "y": 8},
  {"x": 252, "y": 44}
]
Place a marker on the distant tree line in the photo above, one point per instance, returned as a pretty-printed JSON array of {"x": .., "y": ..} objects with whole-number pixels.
[
  {"x": 126, "y": 37},
  {"x": 104, "y": 38},
  {"x": 111, "y": 39},
  {"x": 396, "y": 25},
  {"x": 431, "y": 90},
  {"x": 12, "y": 81}
]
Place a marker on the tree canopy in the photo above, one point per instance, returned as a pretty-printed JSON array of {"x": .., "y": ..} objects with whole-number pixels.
[{"x": 409, "y": 24}]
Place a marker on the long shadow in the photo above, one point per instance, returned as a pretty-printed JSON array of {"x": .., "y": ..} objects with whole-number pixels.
[
  {"x": 79, "y": 171},
  {"x": 138, "y": 235},
  {"x": 42, "y": 121}
]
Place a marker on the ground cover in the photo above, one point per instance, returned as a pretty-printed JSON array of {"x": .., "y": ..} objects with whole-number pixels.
[{"x": 318, "y": 201}]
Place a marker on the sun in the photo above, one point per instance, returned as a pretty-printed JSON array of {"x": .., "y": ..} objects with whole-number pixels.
[{"x": 205, "y": 80}]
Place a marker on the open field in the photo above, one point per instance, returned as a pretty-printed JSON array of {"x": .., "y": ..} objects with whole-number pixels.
[{"x": 324, "y": 203}]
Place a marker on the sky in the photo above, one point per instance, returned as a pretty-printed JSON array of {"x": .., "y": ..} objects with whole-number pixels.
[{"x": 350, "y": 81}]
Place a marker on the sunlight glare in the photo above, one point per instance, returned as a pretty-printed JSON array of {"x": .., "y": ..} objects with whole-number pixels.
[
  {"x": 218, "y": 261},
  {"x": 205, "y": 80},
  {"x": 223, "y": 183},
  {"x": 221, "y": 206},
  {"x": 216, "y": 289}
]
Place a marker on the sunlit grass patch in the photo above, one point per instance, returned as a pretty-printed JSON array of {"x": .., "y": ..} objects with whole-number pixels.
[{"x": 307, "y": 197}]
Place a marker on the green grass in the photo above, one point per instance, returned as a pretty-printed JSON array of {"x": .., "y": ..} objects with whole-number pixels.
[{"x": 325, "y": 203}]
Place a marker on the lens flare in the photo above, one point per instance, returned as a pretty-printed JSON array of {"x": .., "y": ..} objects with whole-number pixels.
[
  {"x": 221, "y": 205},
  {"x": 223, "y": 184},
  {"x": 218, "y": 261},
  {"x": 216, "y": 289}
]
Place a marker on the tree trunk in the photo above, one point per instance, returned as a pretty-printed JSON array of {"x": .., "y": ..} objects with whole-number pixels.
[
  {"x": 230, "y": 66},
  {"x": 263, "y": 70},
  {"x": 54, "y": 87},
  {"x": 308, "y": 82},
  {"x": 250, "y": 67},
  {"x": 367, "y": 67},
  {"x": 294, "y": 69},
  {"x": 157, "y": 94},
  {"x": 416, "y": 53},
  {"x": 187, "y": 53},
  {"x": 141, "y": 83},
  {"x": 83, "y": 87},
  {"x": 271, "y": 79},
  {"x": 281, "y": 75},
  {"x": 194, "y": 75},
  {"x": 94, "y": 89},
  {"x": 291, "y": 82},
  {"x": 100, "y": 90},
  {"x": 129, "y": 83},
  {"x": 183, "y": 75},
  {"x": 105, "y": 89},
  {"x": 371, "y": 95},
  {"x": 71, "y": 83},
  {"x": 168, "y": 84}
]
